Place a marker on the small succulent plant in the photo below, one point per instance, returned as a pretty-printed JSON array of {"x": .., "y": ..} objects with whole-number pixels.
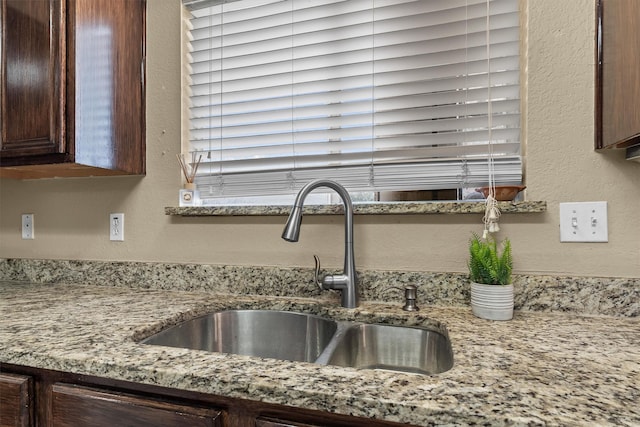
[{"x": 486, "y": 264}]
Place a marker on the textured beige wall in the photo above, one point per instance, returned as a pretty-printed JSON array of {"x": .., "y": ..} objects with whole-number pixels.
[{"x": 71, "y": 215}]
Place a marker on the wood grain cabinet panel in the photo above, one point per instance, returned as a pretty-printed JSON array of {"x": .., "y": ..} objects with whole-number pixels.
[
  {"x": 618, "y": 74},
  {"x": 72, "y": 88},
  {"x": 63, "y": 399},
  {"x": 32, "y": 114},
  {"x": 16, "y": 400},
  {"x": 267, "y": 422},
  {"x": 76, "y": 406}
]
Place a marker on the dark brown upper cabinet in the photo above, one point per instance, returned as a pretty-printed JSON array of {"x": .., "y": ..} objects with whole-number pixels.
[
  {"x": 72, "y": 88},
  {"x": 617, "y": 74}
]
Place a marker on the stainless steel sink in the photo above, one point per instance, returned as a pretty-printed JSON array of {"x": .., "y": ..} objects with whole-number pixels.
[
  {"x": 308, "y": 338},
  {"x": 262, "y": 333},
  {"x": 395, "y": 348}
]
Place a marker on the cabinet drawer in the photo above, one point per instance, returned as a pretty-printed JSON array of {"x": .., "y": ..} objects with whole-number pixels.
[
  {"x": 82, "y": 406},
  {"x": 269, "y": 422}
]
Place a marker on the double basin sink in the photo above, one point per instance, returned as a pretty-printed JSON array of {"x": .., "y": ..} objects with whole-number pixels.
[{"x": 305, "y": 337}]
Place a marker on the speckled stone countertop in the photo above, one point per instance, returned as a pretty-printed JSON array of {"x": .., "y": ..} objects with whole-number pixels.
[
  {"x": 538, "y": 369},
  {"x": 583, "y": 295},
  {"x": 360, "y": 208}
]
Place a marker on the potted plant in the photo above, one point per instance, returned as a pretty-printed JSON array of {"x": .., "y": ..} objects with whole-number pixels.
[{"x": 490, "y": 273}]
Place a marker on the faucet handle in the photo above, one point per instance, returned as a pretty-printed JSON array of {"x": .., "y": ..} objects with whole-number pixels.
[{"x": 317, "y": 272}]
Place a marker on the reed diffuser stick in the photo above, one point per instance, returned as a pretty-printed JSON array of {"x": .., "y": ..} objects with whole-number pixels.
[{"x": 189, "y": 171}]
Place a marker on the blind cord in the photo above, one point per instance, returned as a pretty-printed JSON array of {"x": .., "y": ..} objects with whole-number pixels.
[{"x": 492, "y": 212}]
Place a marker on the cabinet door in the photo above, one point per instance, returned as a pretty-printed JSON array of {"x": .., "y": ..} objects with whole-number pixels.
[
  {"x": 105, "y": 88},
  {"x": 16, "y": 396},
  {"x": 75, "y": 406},
  {"x": 32, "y": 92},
  {"x": 618, "y": 74}
]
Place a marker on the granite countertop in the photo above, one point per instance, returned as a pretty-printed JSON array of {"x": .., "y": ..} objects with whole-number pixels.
[
  {"x": 362, "y": 208},
  {"x": 538, "y": 369}
]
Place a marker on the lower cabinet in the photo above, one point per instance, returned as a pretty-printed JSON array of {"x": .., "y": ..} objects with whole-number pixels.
[
  {"x": 265, "y": 422},
  {"x": 38, "y": 397},
  {"x": 75, "y": 406},
  {"x": 16, "y": 400}
]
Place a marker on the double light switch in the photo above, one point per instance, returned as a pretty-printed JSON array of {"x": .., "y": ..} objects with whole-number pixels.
[{"x": 583, "y": 222}]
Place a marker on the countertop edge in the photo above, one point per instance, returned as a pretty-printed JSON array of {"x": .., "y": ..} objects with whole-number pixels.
[{"x": 380, "y": 208}]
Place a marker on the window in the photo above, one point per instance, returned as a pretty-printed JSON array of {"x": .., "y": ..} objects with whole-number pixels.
[{"x": 380, "y": 95}]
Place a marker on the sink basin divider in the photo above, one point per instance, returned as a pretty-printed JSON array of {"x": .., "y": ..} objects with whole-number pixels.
[{"x": 342, "y": 327}]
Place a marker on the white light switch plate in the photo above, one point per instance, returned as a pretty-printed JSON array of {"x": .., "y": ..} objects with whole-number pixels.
[{"x": 583, "y": 222}]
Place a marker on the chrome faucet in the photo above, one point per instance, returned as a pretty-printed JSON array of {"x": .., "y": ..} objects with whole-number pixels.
[{"x": 347, "y": 281}]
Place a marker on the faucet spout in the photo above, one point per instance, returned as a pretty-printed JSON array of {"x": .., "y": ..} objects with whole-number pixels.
[
  {"x": 291, "y": 231},
  {"x": 347, "y": 281}
]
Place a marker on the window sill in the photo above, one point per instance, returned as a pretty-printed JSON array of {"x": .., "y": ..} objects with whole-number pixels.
[{"x": 380, "y": 208}]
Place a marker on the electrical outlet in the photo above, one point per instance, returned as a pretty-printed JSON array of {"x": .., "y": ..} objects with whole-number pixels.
[
  {"x": 583, "y": 222},
  {"x": 28, "y": 231},
  {"x": 116, "y": 227}
]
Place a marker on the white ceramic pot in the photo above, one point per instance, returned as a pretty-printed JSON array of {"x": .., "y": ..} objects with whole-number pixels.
[{"x": 492, "y": 302}]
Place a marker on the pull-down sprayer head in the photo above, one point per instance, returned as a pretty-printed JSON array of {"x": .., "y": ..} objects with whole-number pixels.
[{"x": 291, "y": 231}]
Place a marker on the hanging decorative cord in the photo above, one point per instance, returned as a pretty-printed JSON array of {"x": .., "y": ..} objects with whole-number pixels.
[{"x": 491, "y": 212}]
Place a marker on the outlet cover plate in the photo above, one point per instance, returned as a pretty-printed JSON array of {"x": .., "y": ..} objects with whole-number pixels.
[
  {"x": 583, "y": 222},
  {"x": 116, "y": 227},
  {"x": 28, "y": 232}
]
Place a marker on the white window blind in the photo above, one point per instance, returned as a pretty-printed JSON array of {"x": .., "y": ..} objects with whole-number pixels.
[{"x": 376, "y": 94}]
